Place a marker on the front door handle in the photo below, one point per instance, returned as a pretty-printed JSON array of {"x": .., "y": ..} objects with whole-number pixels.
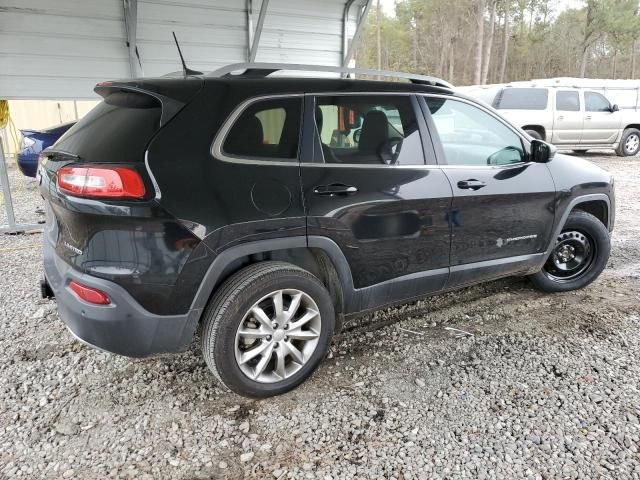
[
  {"x": 335, "y": 189},
  {"x": 588, "y": 117},
  {"x": 561, "y": 117},
  {"x": 471, "y": 184}
]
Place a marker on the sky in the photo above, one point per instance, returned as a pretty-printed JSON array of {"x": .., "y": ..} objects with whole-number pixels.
[{"x": 388, "y": 6}]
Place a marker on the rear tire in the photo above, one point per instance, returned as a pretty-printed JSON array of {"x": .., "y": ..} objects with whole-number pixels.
[
  {"x": 534, "y": 134},
  {"x": 629, "y": 143},
  {"x": 580, "y": 254},
  {"x": 260, "y": 336}
]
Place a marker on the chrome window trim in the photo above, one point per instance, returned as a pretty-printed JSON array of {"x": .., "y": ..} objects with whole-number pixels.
[
  {"x": 217, "y": 153},
  {"x": 494, "y": 115},
  {"x": 216, "y": 147},
  {"x": 370, "y": 165},
  {"x": 154, "y": 182}
]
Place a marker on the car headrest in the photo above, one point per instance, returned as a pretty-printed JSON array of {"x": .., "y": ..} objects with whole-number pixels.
[
  {"x": 319, "y": 119},
  {"x": 375, "y": 131}
]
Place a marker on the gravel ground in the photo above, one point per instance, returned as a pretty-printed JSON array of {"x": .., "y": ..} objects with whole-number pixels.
[{"x": 540, "y": 386}]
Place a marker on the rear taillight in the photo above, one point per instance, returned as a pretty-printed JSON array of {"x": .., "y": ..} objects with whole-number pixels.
[
  {"x": 90, "y": 295},
  {"x": 103, "y": 182}
]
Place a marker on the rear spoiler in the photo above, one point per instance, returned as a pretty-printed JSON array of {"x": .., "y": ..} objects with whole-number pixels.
[{"x": 171, "y": 94}]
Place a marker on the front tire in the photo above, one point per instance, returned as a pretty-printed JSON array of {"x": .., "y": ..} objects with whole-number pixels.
[
  {"x": 629, "y": 143},
  {"x": 579, "y": 255},
  {"x": 267, "y": 329}
]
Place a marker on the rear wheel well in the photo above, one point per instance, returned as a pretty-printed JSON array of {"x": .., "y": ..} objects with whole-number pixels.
[
  {"x": 537, "y": 128},
  {"x": 633, "y": 125},
  {"x": 597, "y": 208},
  {"x": 314, "y": 260}
]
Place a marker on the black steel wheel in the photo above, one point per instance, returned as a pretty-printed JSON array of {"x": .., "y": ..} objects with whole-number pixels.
[
  {"x": 580, "y": 253},
  {"x": 571, "y": 257}
]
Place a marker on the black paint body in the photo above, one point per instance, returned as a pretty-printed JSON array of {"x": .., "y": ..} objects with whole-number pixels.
[{"x": 409, "y": 230}]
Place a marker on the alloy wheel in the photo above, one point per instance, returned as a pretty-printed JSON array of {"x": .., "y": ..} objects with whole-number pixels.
[
  {"x": 277, "y": 335},
  {"x": 632, "y": 143}
]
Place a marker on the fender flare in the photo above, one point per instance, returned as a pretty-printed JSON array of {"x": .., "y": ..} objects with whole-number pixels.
[
  {"x": 225, "y": 258},
  {"x": 577, "y": 201}
]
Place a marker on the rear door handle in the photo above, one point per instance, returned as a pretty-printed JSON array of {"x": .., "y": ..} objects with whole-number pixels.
[
  {"x": 471, "y": 184},
  {"x": 561, "y": 117},
  {"x": 335, "y": 189},
  {"x": 588, "y": 117}
]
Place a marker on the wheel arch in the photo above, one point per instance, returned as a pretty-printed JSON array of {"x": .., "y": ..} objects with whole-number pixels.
[
  {"x": 319, "y": 255},
  {"x": 597, "y": 204},
  {"x": 597, "y": 208},
  {"x": 632, "y": 125},
  {"x": 537, "y": 128}
]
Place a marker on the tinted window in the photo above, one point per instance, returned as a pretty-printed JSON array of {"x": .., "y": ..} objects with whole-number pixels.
[
  {"x": 522, "y": 99},
  {"x": 594, "y": 102},
  {"x": 470, "y": 136},
  {"x": 567, "y": 101},
  {"x": 117, "y": 129},
  {"x": 266, "y": 129},
  {"x": 377, "y": 130}
]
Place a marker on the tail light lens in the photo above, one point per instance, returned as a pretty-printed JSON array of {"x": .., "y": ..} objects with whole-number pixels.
[
  {"x": 103, "y": 182},
  {"x": 90, "y": 295}
]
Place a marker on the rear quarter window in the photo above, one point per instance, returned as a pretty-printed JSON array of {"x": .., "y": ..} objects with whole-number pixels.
[
  {"x": 522, "y": 99},
  {"x": 265, "y": 130},
  {"x": 118, "y": 129}
]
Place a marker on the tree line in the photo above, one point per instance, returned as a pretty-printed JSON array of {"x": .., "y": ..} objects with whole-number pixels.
[{"x": 473, "y": 42}]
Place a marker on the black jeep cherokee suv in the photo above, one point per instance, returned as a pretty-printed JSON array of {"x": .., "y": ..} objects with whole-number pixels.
[{"x": 267, "y": 209}]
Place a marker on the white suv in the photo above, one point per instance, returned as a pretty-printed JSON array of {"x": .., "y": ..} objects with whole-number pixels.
[{"x": 571, "y": 118}]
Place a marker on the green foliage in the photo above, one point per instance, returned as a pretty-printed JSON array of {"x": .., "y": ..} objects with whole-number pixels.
[{"x": 438, "y": 37}]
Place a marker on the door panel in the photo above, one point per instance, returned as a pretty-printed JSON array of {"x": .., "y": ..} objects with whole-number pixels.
[
  {"x": 389, "y": 220},
  {"x": 568, "y": 118},
  {"x": 511, "y": 215},
  {"x": 503, "y": 205},
  {"x": 396, "y": 224},
  {"x": 601, "y": 125}
]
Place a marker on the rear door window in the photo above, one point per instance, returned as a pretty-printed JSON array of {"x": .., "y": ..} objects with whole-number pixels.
[
  {"x": 567, "y": 101},
  {"x": 266, "y": 129},
  {"x": 367, "y": 129},
  {"x": 522, "y": 99}
]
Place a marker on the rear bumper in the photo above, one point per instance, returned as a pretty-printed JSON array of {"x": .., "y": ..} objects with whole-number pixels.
[{"x": 123, "y": 327}]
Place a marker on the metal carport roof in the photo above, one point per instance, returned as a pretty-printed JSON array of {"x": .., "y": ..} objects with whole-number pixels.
[{"x": 61, "y": 49}]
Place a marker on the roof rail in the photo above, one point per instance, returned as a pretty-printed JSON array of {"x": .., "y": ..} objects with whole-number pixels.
[{"x": 266, "y": 69}]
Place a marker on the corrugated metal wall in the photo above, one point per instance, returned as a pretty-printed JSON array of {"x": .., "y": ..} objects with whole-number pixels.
[{"x": 62, "y": 48}]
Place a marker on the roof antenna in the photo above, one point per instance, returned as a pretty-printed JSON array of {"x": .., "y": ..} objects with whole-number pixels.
[{"x": 185, "y": 69}]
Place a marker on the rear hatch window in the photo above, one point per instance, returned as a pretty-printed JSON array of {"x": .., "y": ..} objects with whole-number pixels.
[
  {"x": 116, "y": 130},
  {"x": 522, "y": 99}
]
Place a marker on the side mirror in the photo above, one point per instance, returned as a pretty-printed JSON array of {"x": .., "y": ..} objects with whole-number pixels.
[
  {"x": 615, "y": 108},
  {"x": 542, "y": 152}
]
